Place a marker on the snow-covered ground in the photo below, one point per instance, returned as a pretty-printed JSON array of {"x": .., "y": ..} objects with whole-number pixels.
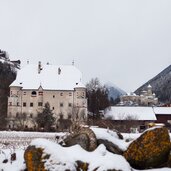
[{"x": 11, "y": 141}]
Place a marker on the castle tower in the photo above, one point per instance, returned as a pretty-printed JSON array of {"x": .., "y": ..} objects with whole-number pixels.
[{"x": 149, "y": 90}]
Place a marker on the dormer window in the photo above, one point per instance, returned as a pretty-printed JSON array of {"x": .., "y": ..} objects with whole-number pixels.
[
  {"x": 40, "y": 93},
  {"x": 33, "y": 93}
]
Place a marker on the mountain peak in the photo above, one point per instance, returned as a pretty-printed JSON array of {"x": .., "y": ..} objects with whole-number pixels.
[{"x": 114, "y": 91}]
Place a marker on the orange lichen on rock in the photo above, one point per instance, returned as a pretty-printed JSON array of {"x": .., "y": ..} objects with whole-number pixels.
[
  {"x": 33, "y": 158},
  {"x": 150, "y": 150}
]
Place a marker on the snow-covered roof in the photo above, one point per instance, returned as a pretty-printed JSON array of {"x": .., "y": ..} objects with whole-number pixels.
[
  {"x": 130, "y": 94},
  {"x": 80, "y": 85},
  {"x": 51, "y": 77},
  {"x": 149, "y": 86},
  {"x": 127, "y": 113},
  {"x": 162, "y": 110}
]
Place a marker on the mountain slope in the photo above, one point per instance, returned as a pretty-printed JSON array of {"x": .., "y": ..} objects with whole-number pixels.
[
  {"x": 114, "y": 91},
  {"x": 161, "y": 85}
]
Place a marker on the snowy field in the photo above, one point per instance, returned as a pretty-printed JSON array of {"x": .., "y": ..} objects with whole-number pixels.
[{"x": 16, "y": 142}]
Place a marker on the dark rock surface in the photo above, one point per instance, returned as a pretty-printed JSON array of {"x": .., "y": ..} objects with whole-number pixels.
[
  {"x": 85, "y": 137},
  {"x": 113, "y": 148}
]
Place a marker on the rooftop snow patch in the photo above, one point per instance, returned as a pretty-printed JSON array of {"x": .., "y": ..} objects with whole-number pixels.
[
  {"x": 162, "y": 110},
  {"x": 50, "y": 77},
  {"x": 134, "y": 113}
]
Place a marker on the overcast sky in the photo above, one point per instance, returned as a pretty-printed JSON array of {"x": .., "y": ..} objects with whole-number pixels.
[{"x": 125, "y": 42}]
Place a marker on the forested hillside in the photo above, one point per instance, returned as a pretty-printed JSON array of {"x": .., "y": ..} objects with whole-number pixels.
[{"x": 161, "y": 85}]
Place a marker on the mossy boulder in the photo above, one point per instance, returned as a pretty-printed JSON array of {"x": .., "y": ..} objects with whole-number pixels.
[
  {"x": 34, "y": 160},
  {"x": 150, "y": 150}
]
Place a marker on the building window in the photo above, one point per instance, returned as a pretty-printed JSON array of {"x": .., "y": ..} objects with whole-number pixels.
[
  {"x": 61, "y": 94},
  {"x": 70, "y": 94},
  {"x": 24, "y": 104},
  {"x": 31, "y": 104},
  {"x": 17, "y": 115},
  {"x": 83, "y": 104},
  {"x": 40, "y": 93},
  {"x": 70, "y": 104},
  {"x": 11, "y": 92},
  {"x": 61, "y": 116},
  {"x": 31, "y": 115},
  {"x": 61, "y": 104},
  {"x": 53, "y": 96},
  {"x": 33, "y": 93},
  {"x": 83, "y": 94},
  {"x": 17, "y": 103},
  {"x": 10, "y": 103},
  {"x": 40, "y": 104},
  {"x": 24, "y": 93},
  {"x": 53, "y": 108},
  {"x": 69, "y": 116}
]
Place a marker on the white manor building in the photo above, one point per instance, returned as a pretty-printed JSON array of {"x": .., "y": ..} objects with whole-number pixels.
[{"x": 36, "y": 85}]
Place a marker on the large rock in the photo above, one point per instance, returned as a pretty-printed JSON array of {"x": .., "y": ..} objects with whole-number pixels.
[
  {"x": 150, "y": 150},
  {"x": 34, "y": 160},
  {"x": 85, "y": 137},
  {"x": 113, "y": 148}
]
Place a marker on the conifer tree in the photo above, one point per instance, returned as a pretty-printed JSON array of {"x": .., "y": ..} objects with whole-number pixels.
[
  {"x": 45, "y": 119},
  {"x": 97, "y": 97}
]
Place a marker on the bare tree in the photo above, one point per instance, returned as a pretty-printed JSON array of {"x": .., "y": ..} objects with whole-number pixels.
[
  {"x": 75, "y": 113},
  {"x": 21, "y": 120}
]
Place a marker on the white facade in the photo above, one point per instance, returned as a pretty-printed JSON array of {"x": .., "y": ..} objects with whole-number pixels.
[{"x": 36, "y": 85}]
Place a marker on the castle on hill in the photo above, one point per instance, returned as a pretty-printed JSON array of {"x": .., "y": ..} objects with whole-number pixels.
[{"x": 146, "y": 98}]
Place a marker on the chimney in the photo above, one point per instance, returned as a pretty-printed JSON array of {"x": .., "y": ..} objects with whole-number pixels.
[
  {"x": 39, "y": 67},
  {"x": 59, "y": 71}
]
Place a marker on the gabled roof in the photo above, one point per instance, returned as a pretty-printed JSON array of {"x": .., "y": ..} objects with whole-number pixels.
[
  {"x": 128, "y": 113},
  {"x": 51, "y": 77}
]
